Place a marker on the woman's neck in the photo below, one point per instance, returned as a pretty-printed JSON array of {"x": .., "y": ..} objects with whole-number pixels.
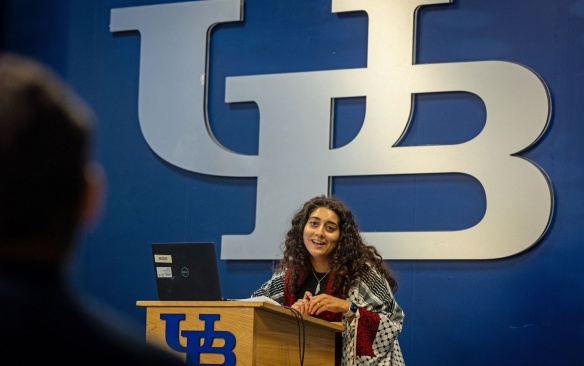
[{"x": 320, "y": 266}]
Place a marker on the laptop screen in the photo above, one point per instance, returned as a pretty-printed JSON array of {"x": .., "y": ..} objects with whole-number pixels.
[{"x": 186, "y": 271}]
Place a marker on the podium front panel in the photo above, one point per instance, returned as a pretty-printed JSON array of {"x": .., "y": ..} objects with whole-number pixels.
[{"x": 238, "y": 333}]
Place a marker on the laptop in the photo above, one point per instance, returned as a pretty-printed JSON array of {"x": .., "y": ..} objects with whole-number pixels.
[{"x": 186, "y": 271}]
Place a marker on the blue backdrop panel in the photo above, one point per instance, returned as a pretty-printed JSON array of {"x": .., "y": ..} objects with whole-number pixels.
[{"x": 522, "y": 310}]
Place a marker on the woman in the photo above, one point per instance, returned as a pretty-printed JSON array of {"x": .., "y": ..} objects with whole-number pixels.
[{"x": 328, "y": 271}]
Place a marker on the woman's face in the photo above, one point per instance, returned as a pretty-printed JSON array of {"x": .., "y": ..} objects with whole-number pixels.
[{"x": 321, "y": 233}]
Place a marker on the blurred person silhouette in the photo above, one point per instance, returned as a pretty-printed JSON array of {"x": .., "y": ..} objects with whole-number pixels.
[
  {"x": 50, "y": 191},
  {"x": 328, "y": 271}
]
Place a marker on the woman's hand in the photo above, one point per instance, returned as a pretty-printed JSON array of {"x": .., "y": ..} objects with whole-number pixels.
[
  {"x": 302, "y": 304},
  {"x": 323, "y": 302}
]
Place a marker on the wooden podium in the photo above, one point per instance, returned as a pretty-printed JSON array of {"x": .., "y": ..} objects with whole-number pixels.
[{"x": 247, "y": 332}]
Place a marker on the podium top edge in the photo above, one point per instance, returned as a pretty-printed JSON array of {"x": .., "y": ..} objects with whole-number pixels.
[
  {"x": 336, "y": 326},
  {"x": 181, "y": 303}
]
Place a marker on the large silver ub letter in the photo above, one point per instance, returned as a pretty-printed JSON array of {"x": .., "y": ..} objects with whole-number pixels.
[
  {"x": 295, "y": 110},
  {"x": 173, "y": 61}
]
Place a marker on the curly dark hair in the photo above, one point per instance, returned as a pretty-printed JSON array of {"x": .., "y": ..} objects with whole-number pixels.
[{"x": 347, "y": 261}]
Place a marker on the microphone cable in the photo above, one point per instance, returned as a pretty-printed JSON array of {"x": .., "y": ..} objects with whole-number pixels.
[{"x": 301, "y": 333}]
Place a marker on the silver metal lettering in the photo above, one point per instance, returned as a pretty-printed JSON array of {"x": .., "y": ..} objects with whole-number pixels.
[{"x": 295, "y": 109}]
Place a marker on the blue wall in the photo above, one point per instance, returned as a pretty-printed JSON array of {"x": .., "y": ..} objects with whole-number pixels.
[{"x": 524, "y": 310}]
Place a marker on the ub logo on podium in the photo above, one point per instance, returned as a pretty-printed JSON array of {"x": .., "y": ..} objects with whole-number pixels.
[
  {"x": 295, "y": 127},
  {"x": 199, "y": 342}
]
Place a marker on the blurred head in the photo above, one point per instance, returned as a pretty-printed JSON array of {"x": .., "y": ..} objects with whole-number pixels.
[{"x": 48, "y": 188}]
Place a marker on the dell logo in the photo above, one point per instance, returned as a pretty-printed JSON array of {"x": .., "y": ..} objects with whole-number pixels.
[{"x": 184, "y": 271}]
